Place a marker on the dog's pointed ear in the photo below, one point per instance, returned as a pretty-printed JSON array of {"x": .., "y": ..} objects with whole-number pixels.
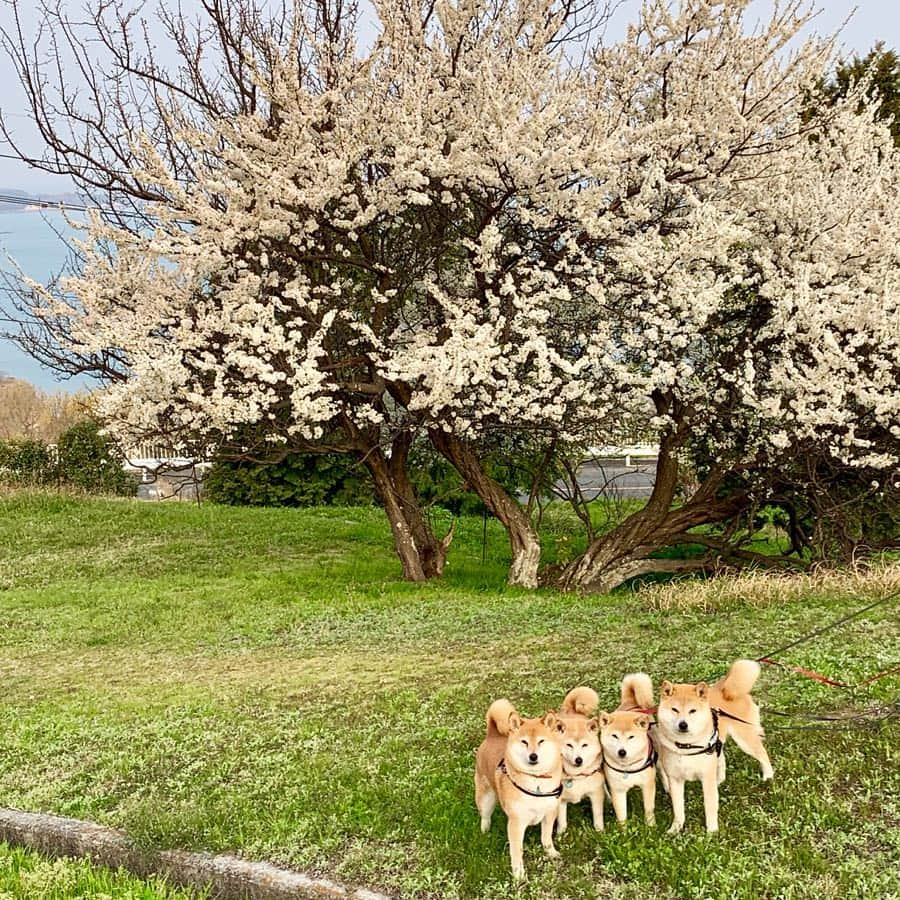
[
  {"x": 666, "y": 688},
  {"x": 593, "y": 725},
  {"x": 604, "y": 718},
  {"x": 552, "y": 721},
  {"x": 515, "y": 721},
  {"x": 642, "y": 721},
  {"x": 702, "y": 690}
]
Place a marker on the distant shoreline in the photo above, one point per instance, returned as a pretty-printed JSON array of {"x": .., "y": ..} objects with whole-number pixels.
[{"x": 13, "y": 200}]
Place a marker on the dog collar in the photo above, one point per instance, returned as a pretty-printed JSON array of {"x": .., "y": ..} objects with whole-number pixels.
[
  {"x": 554, "y": 793},
  {"x": 569, "y": 777},
  {"x": 652, "y": 756},
  {"x": 713, "y": 745}
]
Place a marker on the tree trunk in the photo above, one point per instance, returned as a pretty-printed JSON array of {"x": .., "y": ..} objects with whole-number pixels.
[
  {"x": 627, "y": 542},
  {"x": 422, "y": 555},
  {"x": 523, "y": 539},
  {"x": 623, "y": 553},
  {"x": 432, "y": 551}
]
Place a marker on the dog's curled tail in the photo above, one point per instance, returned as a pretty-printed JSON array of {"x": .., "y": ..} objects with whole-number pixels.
[
  {"x": 581, "y": 701},
  {"x": 498, "y": 716},
  {"x": 637, "y": 691},
  {"x": 740, "y": 679}
]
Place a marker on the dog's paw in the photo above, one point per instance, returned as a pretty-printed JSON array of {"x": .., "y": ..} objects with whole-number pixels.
[
  {"x": 552, "y": 852},
  {"x": 598, "y": 826},
  {"x": 485, "y": 826},
  {"x": 561, "y": 830},
  {"x": 675, "y": 828},
  {"x": 518, "y": 872},
  {"x": 650, "y": 820},
  {"x": 768, "y": 776}
]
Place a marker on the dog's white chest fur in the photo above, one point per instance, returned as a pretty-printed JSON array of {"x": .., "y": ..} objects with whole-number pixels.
[
  {"x": 624, "y": 781},
  {"x": 687, "y": 768},
  {"x": 576, "y": 788},
  {"x": 685, "y": 765},
  {"x": 534, "y": 809}
]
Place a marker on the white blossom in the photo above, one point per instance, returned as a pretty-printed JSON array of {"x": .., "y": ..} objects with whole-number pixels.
[{"x": 462, "y": 224}]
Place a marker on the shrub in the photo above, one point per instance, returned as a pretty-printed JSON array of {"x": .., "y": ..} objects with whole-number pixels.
[
  {"x": 297, "y": 480},
  {"x": 87, "y": 461},
  {"x": 27, "y": 463}
]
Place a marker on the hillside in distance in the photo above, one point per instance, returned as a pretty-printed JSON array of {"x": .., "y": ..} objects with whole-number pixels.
[{"x": 16, "y": 200}]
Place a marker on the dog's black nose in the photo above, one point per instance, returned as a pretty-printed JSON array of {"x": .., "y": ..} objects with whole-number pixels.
[
  {"x": 532, "y": 758},
  {"x": 578, "y": 760},
  {"x": 682, "y": 725},
  {"x": 621, "y": 751}
]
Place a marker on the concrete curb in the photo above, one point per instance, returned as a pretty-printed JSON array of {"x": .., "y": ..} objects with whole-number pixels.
[{"x": 227, "y": 877}]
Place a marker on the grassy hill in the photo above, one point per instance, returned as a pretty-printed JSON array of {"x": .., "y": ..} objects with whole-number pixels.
[{"x": 259, "y": 681}]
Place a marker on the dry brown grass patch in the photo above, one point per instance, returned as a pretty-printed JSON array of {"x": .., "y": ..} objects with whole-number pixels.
[{"x": 760, "y": 589}]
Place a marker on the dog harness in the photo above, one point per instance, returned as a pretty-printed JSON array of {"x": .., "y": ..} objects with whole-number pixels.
[
  {"x": 652, "y": 756},
  {"x": 554, "y": 793},
  {"x": 713, "y": 745}
]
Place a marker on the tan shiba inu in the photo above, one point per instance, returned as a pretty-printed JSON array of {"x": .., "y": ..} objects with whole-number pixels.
[
  {"x": 693, "y": 723},
  {"x": 581, "y": 760},
  {"x": 519, "y": 764},
  {"x": 629, "y": 757}
]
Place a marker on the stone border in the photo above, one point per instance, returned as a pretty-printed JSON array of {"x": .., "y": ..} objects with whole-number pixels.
[{"x": 227, "y": 877}]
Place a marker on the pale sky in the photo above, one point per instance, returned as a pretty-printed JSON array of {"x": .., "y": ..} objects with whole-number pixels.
[{"x": 874, "y": 20}]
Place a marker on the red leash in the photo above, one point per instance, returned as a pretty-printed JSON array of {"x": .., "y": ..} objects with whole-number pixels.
[
  {"x": 801, "y": 671},
  {"x": 824, "y": 678}
]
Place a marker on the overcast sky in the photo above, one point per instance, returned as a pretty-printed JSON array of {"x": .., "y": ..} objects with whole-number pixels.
[{"x": 874, "y": 20}]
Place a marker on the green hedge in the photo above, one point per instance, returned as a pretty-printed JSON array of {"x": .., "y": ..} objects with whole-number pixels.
[
  {"x": 307, "y": 479},
  {"x": 297, "y": 480},
  {"x": 83, "y": 459},
  {"x": 27, "y": 463}
]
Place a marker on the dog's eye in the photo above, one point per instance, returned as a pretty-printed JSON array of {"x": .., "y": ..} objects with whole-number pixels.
[
  {"x": 615, "y": 737},
  {"x": 674, "y": 710},
  {"x": 584, "y": 745},
  {"x": 691, "y": 711},
  {"x": 571, "y": 746},
  {"x": 524, "y": 742},
  {"x": 630, "y": 737},
  {"x": 541, "y": 741}
]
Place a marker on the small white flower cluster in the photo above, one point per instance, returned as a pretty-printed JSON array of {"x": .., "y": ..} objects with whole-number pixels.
[{"x": 459, "y": 227}]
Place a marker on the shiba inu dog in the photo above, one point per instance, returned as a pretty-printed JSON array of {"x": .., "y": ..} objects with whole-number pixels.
[
  {"x": 519, "y": 763},
  {"x": 628, "y": 754},
  {"x": 581, "y": 760},
  {"x": 693, "y": 723}
]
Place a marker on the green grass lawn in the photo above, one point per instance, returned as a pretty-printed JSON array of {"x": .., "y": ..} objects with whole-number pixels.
[
  {"x": 29, "y": 876},
  {"x": 259, "y": 681}
]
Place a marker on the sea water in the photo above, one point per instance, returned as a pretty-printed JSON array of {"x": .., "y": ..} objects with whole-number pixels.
[{"x": 35, "y": 241}]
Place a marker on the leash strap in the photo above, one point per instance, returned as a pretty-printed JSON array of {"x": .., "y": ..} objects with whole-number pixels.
[
  {"x": 801, "y": 671},
  {"x": 728, "y": 715}
]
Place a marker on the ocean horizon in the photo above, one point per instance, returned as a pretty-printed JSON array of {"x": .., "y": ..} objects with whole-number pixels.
[{"x": 35, "y": 241}]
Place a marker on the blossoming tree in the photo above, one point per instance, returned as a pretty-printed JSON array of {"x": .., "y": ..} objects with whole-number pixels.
[{"x": 487, "y": 220}]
